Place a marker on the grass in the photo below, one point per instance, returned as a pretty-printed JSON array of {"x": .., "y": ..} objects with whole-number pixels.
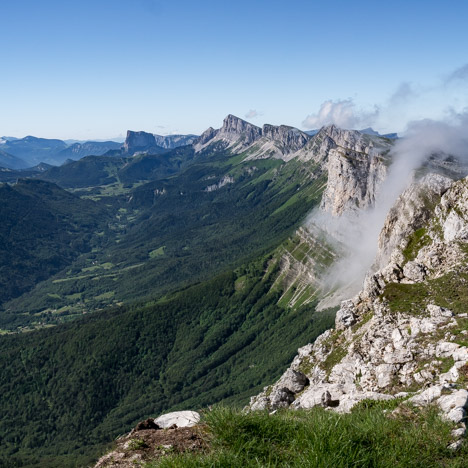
[
  {"x": 416, "y": 241},
  {"x": 157, "y": 252},
  {"x": 449, "y": 290},
  {"x": 319, "y": 438}
]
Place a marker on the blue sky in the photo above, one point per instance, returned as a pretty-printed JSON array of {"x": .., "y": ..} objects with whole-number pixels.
[{"x": 93, "y": 69}]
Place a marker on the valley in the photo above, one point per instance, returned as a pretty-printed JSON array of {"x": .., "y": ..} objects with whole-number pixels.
[{"x": 189, "y": 277}]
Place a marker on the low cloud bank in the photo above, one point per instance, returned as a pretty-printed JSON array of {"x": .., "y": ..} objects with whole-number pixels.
[{"x": 357, "y": 232}]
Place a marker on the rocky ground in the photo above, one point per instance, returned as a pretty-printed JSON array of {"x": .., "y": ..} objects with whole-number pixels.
[{"x": 154, "y": 438}]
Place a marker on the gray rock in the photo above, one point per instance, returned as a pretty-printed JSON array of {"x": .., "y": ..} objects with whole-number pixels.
[
  {"x": 414, "y": 271},
  {"x": 458, "y": 399},
  {"x": 438, "y": 312},
  {"x": 259, "y": 403},
  {"x": 138, "y": 141},
  {"x": 327, "y": 401},
  {"x": 293, "y": 380},
  {"x": 456, "y": 415},
  {"x": 345, "y": 317},
  {"x": 427, "y": 396},
  {"x": 281, "y": 398},
  {"x": 446, "y": 349}
]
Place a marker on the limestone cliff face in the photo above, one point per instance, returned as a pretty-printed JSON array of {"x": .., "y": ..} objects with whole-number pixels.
[
  {"x": 236, "y": 134},
  {"x": 412, "y": 210},
  {"x": 280, "y": 142},
  {"x": 174, "y": 141},
  {"x": 405, "y": 334},
  {"x": 291, "y": 138},
  {"x": 240, "y": 136},
  {"x": 138, "y": 141},
  {"x": 356, "y": 164},
  {"x": 148, "y": 142}
]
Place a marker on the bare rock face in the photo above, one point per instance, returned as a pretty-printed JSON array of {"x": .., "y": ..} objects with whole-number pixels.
[
  {"x": 290, "y": 138},
  {"x": 236, "y": 134},
  {"x": 280, "y": 142},
  {"x": 205, "y": 138},
  {"x": 233, "y": 126},
  {"x": 138, "y": 141},
  {"x": 356, "y": 166},
  {"x": 174, "y": 141},
  {"x": 411, "y": 211},
  {"x": 387, "y": 345}
]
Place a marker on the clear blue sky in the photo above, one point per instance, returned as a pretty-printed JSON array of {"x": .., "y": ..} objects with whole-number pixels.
[{"x": 93, "y": 69}]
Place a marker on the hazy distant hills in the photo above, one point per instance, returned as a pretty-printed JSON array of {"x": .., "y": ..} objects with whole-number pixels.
[
  {"x": 9, "y": 161},
  {"x": 95, "y": 148},
  {"x": 22, "y": 153},
  {"x": 33, "y": 150}
]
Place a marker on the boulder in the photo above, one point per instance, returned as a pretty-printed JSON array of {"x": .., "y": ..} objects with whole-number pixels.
[
  {"x": 178, "y": 418},
  {"x": 294, "y": 381}
]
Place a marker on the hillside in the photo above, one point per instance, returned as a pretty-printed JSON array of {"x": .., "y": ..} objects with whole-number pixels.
[
  {"x": 221, "y": 212},
  {"x": 232, "y": 209},
  {"x": 43, "y": 229},
  {"x": 198, "y": 286}
]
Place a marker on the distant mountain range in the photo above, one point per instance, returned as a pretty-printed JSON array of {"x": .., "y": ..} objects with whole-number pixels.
[{"x": 30, "y": 151}]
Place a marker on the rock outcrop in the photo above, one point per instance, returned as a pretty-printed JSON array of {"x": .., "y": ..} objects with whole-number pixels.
[
  {"x": 405, "y": 335},
  {"x": 174, "y": 141},
  {"x": 137, "y": 142},
  {"x": 152, "y": 439},
  {"x": 236, "y": 134},
  {"x": 356, "y": 165}
]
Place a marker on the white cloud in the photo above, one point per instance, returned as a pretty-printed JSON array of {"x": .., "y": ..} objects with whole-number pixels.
[
  {"x": 460, "y": 74},
  {"x": 252, "y": 114},
  {"x": 342, "y": 113},
  {"x": 403, "y": 94}
]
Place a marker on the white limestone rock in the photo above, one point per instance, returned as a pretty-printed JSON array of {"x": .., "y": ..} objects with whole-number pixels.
[{"x": 179, "y": 418}]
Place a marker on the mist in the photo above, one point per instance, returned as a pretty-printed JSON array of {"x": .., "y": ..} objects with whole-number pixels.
[{"x": 356, "y": 232}]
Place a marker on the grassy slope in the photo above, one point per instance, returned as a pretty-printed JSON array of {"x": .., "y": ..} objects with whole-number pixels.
[
  {"x": 43, "y": 229},
  {"x": 65, "y": 391},
  {"x": 77, "y": 386},
  {"x": 322, "y": 439}
]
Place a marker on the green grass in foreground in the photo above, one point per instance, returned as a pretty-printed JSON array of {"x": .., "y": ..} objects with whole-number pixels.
[{"x": 318, "y": 438}]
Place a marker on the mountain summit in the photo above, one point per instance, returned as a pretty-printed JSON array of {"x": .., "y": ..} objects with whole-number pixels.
[{"x": 237, "y": 135}]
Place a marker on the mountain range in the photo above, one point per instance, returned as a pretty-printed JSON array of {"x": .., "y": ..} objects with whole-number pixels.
[
  {"x": 27, "y": 152},
  {"x": 174, "y": 278}
]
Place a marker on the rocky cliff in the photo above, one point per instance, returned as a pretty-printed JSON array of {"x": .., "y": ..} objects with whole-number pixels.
[
  {"x": 235, "y": 134},
  {"x": 174, "y": 141},
  {"x": 405, "y": 334},
  {"x": 353, "y": 167},
  {"x": 138, "y": 141}
]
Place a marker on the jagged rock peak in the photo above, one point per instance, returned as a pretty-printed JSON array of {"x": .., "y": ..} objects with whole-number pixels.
[
  {"x": 206, "y": 136},
  {"x": 350, "y": 139},
  {"x": 233, "y": 124},
  {"x": 291, "y": 137},
  {"x": 136, "y": 141},
  {"x": 235, "y": 133}
]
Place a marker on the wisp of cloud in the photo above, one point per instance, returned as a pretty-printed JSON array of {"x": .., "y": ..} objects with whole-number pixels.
[{"x": 357, "y": 232}]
